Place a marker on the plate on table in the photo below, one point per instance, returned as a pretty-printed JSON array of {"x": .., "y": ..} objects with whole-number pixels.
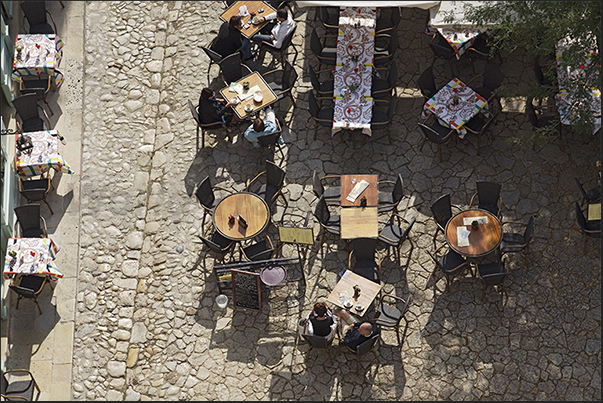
[
  {"x": 255, "y": 21},
  {"x": 248, "y": 108},
  {"x": 257, "y": 97},
  {"x": 348, "y": 304},
  {"x": 359, "y": 307}
]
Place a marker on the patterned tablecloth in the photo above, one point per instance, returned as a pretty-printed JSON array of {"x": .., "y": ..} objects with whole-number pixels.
[
  {"x": 565, "y": 100},
  {"x": 460, "y": 39},
  {"x": 455, "y": 114},
  {"x": 31, "y": 256},
  {"x": 36, "y": 54},
  {"x": 353, "y": 73},
  {"x": 43, "y": 156}
]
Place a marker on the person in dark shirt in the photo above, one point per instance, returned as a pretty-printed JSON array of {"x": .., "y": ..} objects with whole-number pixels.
[
  {"x": 321, "y": 321},
  {"x": 356, "y": 332},
  {"x": 213, "y": 110},
  {"x": 230, "y": 40}
]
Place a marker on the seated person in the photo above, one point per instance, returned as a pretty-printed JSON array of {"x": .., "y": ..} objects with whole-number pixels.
[
  {"x": 230, "y": 40},
  {"x": 275, "y": 34},
  {"x": 356, "y": 332},
  {"x": 213, "y": 110},
  {"x": 321, "y": 321},
  {"x": 261, "y": 127}
]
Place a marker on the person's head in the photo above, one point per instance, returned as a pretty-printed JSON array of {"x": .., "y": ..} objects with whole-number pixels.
[
  {"x": 258, "y": 125},
  {"x": 365, "y": 329},
  {"x": 320, "y": 309},
  {"x": 281, "y": 14},
  {"x": 207, "y": 93},
  {"x": 235, "y": 21}
]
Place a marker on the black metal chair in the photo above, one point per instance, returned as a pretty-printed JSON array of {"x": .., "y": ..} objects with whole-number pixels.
[
  {"x": 232, "y": 68},
  {"x": 390, "y": 312},
  {"x": 328, "y": 223},
  {"x": 207, "y": 198},
  {"x": 451, "y": 264},
  {"x": 393, "y": 235},
  {"x": 543, "y": 121},
  {"x": 492, "y": 79},
  {"x": 260, "y": 250},
  {"x": 382, "y": 120},
  {"x": 272, "y": 189},
  {"x": 321, "y": 116},
  {"x": 592, "y": 196},
  {"x": 323, "y": 90},
  {"x": 20, "y": 388},
  {"x": 217, "y": 244},
  {"x": 329, "y": 17},
  {"x": 271, "y": 142},
  {"x": 514, "y": 242},
  {"x": 205, "y": 126},
  {"x": 478, "y": 126},
  {"x": 388, "y": 21},
  {"x": 492, "y": 274},
  {"x": 35, "y": 13},
  {"x": 367, "y": 261},
  {"x": 442, "y": 50},
  {"x": 589, "y": 228},
  {"x": 384, "y": 57},
  {"x": 31, "y": 223},
  {"x": 364, "y": 348},
  {"x": 283, "y": 85},
  {"x": 388, "y": 201},
  {"x": 324, "y": 55},
  {"x": 436, "y": 134},
  {"x": 30, "y": 287},
  {"x": 214, "y": 57},
  {"x": 426, "y": 83},
  {"x": 318, "y": 342},
  {"x": 280, "y": 52},
  {"x": 480, "y": 49},
  {"x": 35, "y": 190},
  {"x": 332, "y": 193},
  {"x": 381, "y": 89},
  {"x": 27, "y": 109},
  {"x": 442, "y": 212},
  {"x": 40, "y": 86},
  {"x": 488, "y": 194},
  {"x": 544, "y": 78}
]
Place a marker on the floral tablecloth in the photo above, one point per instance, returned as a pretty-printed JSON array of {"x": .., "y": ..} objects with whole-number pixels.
[
  {"x": 36, "y": 54},
  {"x": 353, "y": 73},
  {"x": 31, "y": 256},
  {"x": 43, "y": 156},
  {"x": 565, "y": 100},
  {"x": 454, "y": 105}
]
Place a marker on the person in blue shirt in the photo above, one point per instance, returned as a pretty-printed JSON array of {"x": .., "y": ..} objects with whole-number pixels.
[
  {"x": 356, "y": 332},
  {"x": 261, "y": 127}
]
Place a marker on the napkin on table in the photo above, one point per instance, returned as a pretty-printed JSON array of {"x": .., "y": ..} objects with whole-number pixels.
[{"x": 357, "y": 190}]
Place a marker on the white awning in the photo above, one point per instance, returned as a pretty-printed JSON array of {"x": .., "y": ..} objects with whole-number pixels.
[
  {"x": 425, "y": 5},
  {"x": 439, "y": 14}
]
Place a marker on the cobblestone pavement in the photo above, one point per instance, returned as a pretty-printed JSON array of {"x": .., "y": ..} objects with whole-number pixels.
[{"x": 147, "y": 326}]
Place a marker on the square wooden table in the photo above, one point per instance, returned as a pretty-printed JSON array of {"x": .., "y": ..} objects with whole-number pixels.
[
  {"x": 594, "y": 212},
  {"x": 252, "y": 6},
  {"x": 368, "y": 291},
  {"x": 359, "y": 222},
  {"x": 254, "y": 79},
  {"x": 371, "y": 192}
]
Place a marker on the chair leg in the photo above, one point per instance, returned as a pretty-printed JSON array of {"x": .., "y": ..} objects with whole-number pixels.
[
  {"x": 48, "y": 105},
  {"x": 484, "y": 292},
  {"x": 18, "y": 299},
  {"x": 389, "y": 135},
  {"x": 39, "y": 309},
  {"x": 329, "y": 354},
  {"x": 440, "y": 152},
  {"x": 49, "y": 208},
  {"x": 398, "y": 333},
  {"x": 315, "y": 130}
]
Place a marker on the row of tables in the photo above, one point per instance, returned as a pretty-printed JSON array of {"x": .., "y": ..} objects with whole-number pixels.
[{"x": 35, "y": 55}]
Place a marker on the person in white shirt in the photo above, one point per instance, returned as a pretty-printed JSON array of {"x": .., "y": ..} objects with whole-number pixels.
[{"x": 275, "y": 34}]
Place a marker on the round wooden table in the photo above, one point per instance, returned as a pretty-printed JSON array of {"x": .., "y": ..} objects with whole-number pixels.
[
  {"x": 482, "y": 240},
  {"x": 251, "y": 207}
]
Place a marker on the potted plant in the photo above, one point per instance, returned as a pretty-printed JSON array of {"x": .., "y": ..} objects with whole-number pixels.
[
  {"x": 474, "y": 224},
  {"x": 356, "y": 291},
  {"x": 352, "y": 87}
]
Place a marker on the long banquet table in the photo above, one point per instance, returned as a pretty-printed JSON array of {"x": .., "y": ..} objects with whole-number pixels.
[{"x": 354, "y": 68}]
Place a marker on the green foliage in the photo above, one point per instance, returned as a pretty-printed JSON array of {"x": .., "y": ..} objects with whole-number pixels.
[{"x": 537, "y": 27}]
